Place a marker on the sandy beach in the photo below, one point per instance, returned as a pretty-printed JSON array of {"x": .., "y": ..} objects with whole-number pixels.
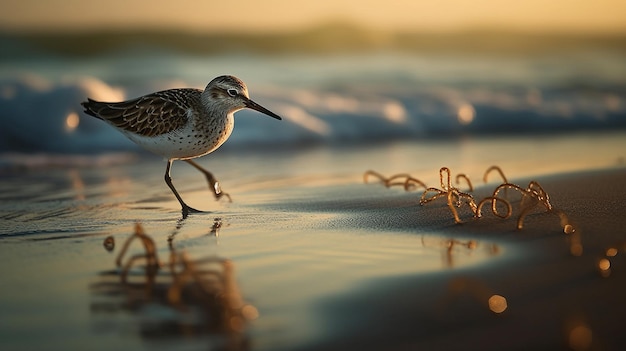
[
  {"x": 556, "y": 299},
  {"x": 327, "y": 261}
]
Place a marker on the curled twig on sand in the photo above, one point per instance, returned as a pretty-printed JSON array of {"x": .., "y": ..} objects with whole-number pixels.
[
  {"x": 452, "y": 194},
  {"x": 408, "y": 183},
  {"x": 532, "y": 196}
]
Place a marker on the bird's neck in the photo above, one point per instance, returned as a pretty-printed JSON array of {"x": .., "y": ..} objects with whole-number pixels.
[
  {"x": 213, "y": 109},
  {"x": 207, "y": 102}
]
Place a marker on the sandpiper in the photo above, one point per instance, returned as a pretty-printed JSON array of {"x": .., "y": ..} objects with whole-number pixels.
[{"x": 180, "y": 124}]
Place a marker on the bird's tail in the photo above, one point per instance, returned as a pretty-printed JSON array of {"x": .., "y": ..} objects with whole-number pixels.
[{"x": 91, "y": 106}]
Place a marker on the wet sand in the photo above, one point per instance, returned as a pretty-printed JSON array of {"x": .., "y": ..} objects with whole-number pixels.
[
  {"x": 328, "y": 261},
  {"x": 555, "y": 299}
]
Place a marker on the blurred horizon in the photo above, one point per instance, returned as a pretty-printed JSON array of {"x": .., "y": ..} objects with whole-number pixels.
[
  {"x": 75, "y": 28},
  {"x": 280, "y": 16},
  {"x": 324, "y": 38}
]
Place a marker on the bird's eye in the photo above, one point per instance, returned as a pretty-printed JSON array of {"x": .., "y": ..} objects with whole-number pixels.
[{"x": 232, "y": 92}]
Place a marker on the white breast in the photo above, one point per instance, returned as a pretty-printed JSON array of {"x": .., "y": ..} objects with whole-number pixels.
[{"x": 189, "y": 142}]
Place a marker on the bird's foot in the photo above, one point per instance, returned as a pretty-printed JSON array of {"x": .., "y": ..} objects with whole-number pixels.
[
  {"x": 217, "y": 189},
  {"x": 219, "y": 195},
  {"x": 186, "y": 210}
]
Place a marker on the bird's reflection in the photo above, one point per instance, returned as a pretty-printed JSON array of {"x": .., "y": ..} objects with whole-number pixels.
[
  {"x": 214, "y": 231},
  {"x": 182, "y": 297}
]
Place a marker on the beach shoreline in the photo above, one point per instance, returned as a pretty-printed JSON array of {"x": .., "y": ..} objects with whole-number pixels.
[{"x": 329, "y": 261}]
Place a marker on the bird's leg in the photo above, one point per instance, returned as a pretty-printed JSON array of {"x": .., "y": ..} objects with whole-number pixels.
[
  {"x": 168, "y": 180},
  {"x": 213, "y": 183}
]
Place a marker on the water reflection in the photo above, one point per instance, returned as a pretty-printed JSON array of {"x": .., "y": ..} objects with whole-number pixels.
[
  {"x": 183, "y": 297},
  {"x": 214, "y": 231},
  {"x": 452, "y": 248},
  {"x": 78, "y": 185}
]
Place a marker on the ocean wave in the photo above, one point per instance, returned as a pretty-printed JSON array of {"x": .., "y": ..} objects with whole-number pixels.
[{"x": 40, "y": 115}]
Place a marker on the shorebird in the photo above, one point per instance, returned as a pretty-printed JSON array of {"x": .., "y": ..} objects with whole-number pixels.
[{"x": 180, "y": 124}]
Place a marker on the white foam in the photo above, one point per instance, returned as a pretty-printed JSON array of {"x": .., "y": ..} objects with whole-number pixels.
[{"x": 44, "y": 115}]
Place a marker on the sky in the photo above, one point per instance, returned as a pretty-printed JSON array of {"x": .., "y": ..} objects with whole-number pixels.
[{"x": 583, "y": 16}]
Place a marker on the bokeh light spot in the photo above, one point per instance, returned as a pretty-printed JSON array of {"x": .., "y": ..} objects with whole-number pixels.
[
  {"x": 71, "y": 121},
  {"x": 395, "y": 112},
  {"x": 497, "y": 303},
  {"x": 604, "y": 265},
  {"x": 580, "y": 337},
  {"x": 466, "y": 114},
  {"x": 250, "y": 312}
]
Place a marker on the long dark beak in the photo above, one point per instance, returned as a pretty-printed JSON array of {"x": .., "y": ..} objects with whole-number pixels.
[{"x": 254, "y": 106}]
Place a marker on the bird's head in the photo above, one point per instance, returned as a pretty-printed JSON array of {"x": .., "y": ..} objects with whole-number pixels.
[{"x": 231, "y": 94}]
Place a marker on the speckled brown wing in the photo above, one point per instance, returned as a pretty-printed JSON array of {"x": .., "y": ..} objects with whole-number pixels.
[{"x": 150, "y": 115}]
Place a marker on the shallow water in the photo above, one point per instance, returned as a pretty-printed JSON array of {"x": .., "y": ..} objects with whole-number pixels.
[{"x": 301, "y": 229}]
